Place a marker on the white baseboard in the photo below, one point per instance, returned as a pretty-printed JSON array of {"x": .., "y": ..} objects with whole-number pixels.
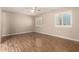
[
  {"x": 68, "y": 38},
  {"x": 16, "y": 33}
]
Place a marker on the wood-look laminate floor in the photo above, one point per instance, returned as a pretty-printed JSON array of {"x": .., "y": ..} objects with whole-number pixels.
[{"x": 35, "y": 42}]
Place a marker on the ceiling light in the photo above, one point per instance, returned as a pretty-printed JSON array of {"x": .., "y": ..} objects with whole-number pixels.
[{"x": 33, "y": 10}]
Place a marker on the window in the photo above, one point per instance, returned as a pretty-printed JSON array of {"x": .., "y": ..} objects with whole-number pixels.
[
  {"x": 63, "y": 19},
  {"x": 38, "y": 21}
]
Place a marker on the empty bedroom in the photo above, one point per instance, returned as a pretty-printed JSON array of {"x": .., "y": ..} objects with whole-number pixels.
[{"x": 39, "y": 29}]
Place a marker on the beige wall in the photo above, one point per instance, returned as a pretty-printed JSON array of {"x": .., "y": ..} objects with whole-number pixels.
[
  {"x": 14, "y": 23},
  {"x": 48, "y": 26},
  {"x": 0, "y": 22}
]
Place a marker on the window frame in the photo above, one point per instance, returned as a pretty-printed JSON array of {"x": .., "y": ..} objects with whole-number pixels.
[
  {"x": 38, "y": 21},
  {"x": 62, "y": 14}
]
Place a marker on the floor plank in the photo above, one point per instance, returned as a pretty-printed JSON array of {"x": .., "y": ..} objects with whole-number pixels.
[{"x": 36, "y": 42}]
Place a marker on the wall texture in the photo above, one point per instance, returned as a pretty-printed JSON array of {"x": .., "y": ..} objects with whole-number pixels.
[
  {"x": 48, "y": 26},
  {"x": 0, "y": 22},
  {"x": 14, "y": 23}
]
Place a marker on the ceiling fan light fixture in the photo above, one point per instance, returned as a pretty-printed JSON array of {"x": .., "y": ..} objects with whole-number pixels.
[{"x": 32, "y": 11}]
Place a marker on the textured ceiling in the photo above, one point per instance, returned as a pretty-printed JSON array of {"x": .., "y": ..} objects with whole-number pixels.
[{"x": 27, "y": 10}]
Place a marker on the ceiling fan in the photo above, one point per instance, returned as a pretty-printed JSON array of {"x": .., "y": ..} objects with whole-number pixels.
[{"x": 34, "y": 10}]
